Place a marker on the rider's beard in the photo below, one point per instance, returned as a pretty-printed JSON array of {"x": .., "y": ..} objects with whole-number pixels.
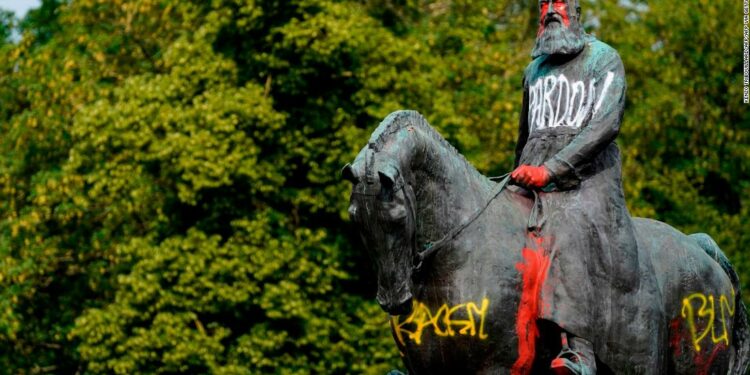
[{"x": 557, "y": 39}]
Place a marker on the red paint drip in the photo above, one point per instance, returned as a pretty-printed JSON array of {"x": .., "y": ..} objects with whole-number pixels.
[
  {"x": 703, "y": 362},
  {"x": 533, "y": 272},
  {"x": 675, "y": 337},
  {"x": 679, "y": 338}
]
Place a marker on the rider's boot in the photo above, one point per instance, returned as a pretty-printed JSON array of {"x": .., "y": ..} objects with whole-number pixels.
[{"x": 574, "y": 359}]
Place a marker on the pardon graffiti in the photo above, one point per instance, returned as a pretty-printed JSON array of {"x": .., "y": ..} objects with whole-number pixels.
[
  {"x": 466, "y": 319},
  {"x": 706, "y": 316},
  {"x": 555, "y": 101}
]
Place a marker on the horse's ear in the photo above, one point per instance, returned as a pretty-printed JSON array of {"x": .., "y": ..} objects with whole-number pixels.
[
  {"x": 348, "y": 174},
  {"x": 386, "y": 180}
]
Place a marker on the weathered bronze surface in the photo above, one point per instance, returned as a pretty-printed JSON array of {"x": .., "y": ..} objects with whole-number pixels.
[
  {"x": 487, "y": 276},
  {"x": 473, "y": 306}
]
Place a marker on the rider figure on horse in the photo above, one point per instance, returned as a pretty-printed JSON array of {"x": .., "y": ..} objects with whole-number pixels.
[{"x": 574, "y": 94}]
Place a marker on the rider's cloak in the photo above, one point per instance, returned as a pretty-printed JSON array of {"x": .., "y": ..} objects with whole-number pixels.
[{"x": 572, "y": 110}]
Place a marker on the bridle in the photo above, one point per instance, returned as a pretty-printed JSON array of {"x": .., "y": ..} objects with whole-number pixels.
[{"x": 431, "y": 248}]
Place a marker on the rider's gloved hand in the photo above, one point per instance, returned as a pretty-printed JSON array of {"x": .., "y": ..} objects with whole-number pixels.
[{"x": 531, "y": 176}]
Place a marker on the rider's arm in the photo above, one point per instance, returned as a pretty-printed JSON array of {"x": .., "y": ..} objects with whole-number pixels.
[
  {"x": 601, "y": 129},
  {"x": 523, "y": 124}
]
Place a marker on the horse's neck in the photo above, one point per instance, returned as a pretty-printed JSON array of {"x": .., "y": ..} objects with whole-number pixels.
[{"x": 449, "y": 190}]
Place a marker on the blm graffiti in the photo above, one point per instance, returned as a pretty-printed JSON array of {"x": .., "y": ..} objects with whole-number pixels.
[
  {"x": 555, "y": 101},
  {"x": 703, "y": 316},
  {"x": 703, "y": 329}
]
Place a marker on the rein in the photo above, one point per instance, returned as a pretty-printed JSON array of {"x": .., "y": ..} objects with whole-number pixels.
[{"x": 431, "y": 248}]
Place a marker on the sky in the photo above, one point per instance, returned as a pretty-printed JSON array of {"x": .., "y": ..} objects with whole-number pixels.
[{"x": 19, "y": 7}]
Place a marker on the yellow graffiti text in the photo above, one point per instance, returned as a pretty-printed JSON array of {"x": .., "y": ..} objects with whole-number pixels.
[
  {"x": 466, "y": 319},
  {"x": 707, "y": 313}
]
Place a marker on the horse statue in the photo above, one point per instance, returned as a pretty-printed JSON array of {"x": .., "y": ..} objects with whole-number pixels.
[{"x": 459, "y": 272}]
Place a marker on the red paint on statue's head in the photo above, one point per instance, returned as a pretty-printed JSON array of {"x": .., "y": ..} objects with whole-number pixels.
[{"x": 559, "y": 8}]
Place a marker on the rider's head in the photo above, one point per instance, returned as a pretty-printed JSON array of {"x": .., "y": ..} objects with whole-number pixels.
[{"x": 560, "y": 30}]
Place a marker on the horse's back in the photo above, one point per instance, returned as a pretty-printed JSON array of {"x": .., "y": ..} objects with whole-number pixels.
[
  {"x": 699, "y": 298},
  {"x": 680, "y": 263}
]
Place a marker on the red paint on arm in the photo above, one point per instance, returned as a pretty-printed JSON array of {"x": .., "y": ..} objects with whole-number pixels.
[
  {"x": 533, "y": 273},
  {"x": 531, "y": 176}
]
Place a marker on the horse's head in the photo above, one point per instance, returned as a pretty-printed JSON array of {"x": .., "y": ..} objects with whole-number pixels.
[
  {"x": 382, "y": 211},
  {"x": 386, "y": 199}
]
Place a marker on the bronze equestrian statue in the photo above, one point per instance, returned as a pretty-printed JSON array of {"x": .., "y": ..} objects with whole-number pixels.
[{"x": 544, "y": 270}]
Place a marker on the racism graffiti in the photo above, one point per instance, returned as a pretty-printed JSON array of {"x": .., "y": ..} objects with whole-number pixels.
[
  {"x": 466, "y": 319},
  {"x": 703, "y": 316},
  {"x": 555, "y": 101}
]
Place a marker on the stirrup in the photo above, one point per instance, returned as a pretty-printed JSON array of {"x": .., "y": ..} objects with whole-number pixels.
[{"x": 568, "y": 361}]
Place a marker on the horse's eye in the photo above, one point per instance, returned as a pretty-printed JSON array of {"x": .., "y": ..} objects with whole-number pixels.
[
  {"x": 397, "y": 212},
  {"x": 392, "y": 212},
  {"x": 386, "y": 195}
]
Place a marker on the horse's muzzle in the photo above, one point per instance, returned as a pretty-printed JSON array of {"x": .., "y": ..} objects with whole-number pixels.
[{"x": 400, "y": 308}]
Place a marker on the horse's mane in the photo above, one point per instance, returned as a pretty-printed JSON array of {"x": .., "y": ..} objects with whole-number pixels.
[{"x": 396, "y": 122}]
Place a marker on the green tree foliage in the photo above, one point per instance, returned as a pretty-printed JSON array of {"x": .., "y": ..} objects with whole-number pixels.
[
  {"x": 43, "y": 22},
  {"x": 7, "y": 23},
  {"x": 169, "y": 190}
]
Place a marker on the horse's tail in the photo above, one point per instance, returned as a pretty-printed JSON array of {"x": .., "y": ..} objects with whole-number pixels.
[{"x": 741, "y": 330}]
